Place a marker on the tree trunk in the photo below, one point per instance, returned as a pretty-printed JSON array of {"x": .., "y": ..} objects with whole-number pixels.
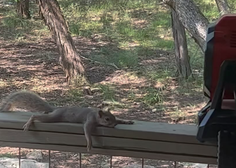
[
  {"x": 39, "y": 10},
  {"x": 192, "y": 19},
  {"x": 69, "y": 58},
  {"x": 22, "y": 8},
  {"x": 181, "y": 49},
  {"x": 223, "y": 6}
]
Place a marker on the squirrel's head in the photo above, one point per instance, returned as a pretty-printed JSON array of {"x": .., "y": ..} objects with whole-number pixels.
[{"x": 106, "y": 118}]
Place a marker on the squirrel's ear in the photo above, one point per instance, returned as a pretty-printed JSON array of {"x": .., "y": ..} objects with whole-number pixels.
[{"x": 100, "y": 113}]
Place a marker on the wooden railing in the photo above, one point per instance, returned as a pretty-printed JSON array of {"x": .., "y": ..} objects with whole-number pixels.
[{"x": 151, "y": 140}]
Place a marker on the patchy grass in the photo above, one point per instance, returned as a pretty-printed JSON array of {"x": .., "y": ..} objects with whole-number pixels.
[
  {"x": 121, "y": 58},
  {"x": 74, "y": 95},
  {"x": 20, "y": 30},
  {"x": 8, "y": 155},
  {"x": 152, "y": 97},
  {"x": 108, "y": 92}
]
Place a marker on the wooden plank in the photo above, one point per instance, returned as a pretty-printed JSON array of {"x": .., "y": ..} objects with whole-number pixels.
[
  {"x": 143, "y": 139},
  {"x": 116, "y": 152},
  {"x": 107, "y": 142},
  {"x": 141, "y": 129}
]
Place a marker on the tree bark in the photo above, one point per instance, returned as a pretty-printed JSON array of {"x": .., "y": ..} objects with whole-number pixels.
[
  {"x": 192, "y": 19},
  {"x": 69, "y": 58},
  {"x": 22, "y": 9},
  {"x": 39, "y": 10},
  {"x": 181, "y": 49},
  {"x": 223, "y": 6}
]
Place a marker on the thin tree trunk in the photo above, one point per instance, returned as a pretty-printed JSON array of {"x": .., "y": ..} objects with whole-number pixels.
[
  {"x": 39, "y": 10},
  {"x": 181, "y": 49},
  {"x": 22, "y": 8},
  {"x": 192, "y": 19},
  {"x": 223, "y": 6},
  {"x": 69, "y": 58}
]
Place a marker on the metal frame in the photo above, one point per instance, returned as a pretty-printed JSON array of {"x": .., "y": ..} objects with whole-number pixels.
[{"x": 80, "y": 160}]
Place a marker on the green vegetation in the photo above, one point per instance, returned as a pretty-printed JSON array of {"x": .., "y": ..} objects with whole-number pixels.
[
  {"x": 108, "y": 93},
  {"x": 15, "y": 28},
  {"x": 152, "y": 97},
  {"x": 8, "y": 155}
]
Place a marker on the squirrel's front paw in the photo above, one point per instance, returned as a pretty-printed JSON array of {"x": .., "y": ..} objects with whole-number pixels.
[
  {"x": 26, "y": 127},
  {"x": 89, "y": 147}
]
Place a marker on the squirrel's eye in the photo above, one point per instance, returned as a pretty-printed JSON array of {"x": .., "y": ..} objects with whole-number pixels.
[{"x": 107, "y": 119}]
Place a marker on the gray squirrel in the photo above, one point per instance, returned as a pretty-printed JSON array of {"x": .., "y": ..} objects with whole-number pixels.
[{"x": 90, "y": 117}]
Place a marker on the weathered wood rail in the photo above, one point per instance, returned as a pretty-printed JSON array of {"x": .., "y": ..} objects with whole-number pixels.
[{"x": 150, "y": 140}]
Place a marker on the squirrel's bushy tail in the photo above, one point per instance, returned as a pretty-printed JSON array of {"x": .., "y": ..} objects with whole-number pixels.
[
  {"x": 25, "y": 100},
  {"x": 5, "y": 106}
]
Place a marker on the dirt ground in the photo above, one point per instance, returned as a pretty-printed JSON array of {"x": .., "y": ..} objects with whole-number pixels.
[{"x": 34, "y": 66}]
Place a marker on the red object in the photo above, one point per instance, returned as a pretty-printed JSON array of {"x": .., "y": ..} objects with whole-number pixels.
[{"x": 224, "y": 48}]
